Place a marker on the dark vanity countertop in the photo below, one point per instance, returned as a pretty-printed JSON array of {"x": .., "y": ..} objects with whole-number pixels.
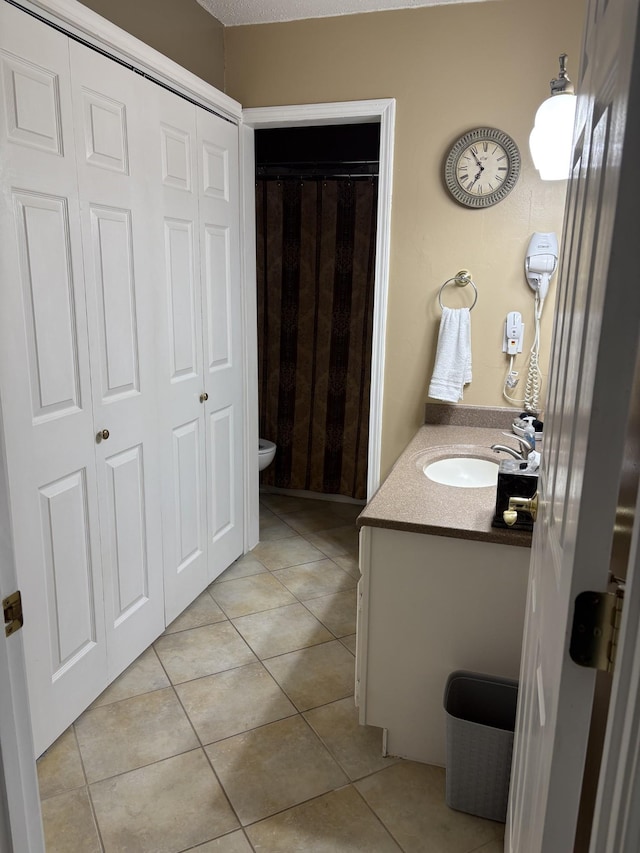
[{"x": 408, "y": 500}]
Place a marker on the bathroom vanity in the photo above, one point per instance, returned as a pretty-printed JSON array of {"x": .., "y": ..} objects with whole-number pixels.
[{"x": 440, "y": 590}]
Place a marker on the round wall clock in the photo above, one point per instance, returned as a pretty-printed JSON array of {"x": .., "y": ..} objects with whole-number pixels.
[{"x": 482, "y": 167}]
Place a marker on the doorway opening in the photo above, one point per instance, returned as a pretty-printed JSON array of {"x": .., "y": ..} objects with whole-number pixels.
[
  {"x": 316, "y": 217},
  {"x": 382, "y": 112}
]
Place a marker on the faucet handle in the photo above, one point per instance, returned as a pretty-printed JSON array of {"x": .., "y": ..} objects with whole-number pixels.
[
  {"x": 529, "y": 505},
  {"x": 524, "y": 444}
]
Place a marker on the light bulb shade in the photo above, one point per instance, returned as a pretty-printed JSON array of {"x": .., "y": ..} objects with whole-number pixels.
[{"x": 552, "y": 136}]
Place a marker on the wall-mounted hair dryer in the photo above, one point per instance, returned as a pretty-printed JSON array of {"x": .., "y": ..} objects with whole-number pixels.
[{"x": 541, "y": 261}]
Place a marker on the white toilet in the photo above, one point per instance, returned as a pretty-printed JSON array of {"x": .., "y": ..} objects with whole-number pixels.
[{"x": 266, "y": 452}]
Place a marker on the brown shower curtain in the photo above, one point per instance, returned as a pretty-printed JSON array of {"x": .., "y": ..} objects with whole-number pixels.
[{"x": 315, "y": 260}]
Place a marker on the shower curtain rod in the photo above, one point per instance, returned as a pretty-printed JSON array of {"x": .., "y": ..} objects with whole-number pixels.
[
  {"x": 298, "y": 177},
  {"x": 318, "y": 171}
]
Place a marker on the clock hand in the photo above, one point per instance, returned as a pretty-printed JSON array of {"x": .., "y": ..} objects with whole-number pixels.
[{"x": 475, "y": 180}]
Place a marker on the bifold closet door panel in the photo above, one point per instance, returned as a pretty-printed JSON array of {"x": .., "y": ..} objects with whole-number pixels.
[
  {"x": 222, "y": 323},
  {"x": 117, "y": 167},
  {"x": 45, "y": 382},
  {"x": 180, "y": 359}
]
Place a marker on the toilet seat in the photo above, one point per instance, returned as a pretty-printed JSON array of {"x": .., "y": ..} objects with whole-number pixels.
[{"x": 266, "y": 453}]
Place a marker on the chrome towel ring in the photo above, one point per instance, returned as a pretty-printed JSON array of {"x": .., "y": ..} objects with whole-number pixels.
[{"x": 462, "y": 279}]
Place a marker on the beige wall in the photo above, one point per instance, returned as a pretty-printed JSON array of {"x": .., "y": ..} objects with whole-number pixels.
[
  {"x": 180, "y": 29},
  {"x": 450, "y": 68}
]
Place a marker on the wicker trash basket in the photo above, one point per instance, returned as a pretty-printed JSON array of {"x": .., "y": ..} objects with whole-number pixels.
[{"x": 481, "y": 715}]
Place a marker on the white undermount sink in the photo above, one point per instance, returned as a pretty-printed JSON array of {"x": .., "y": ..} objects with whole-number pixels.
[{"x": 465, "y": 472}]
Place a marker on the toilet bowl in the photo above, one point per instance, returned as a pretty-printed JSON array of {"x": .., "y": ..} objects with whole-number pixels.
[{"x": 266, "y": 452}]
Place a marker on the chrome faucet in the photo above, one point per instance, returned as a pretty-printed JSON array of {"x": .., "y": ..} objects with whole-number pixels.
[
  {"x": 521, "y": 455},
  {"x": 510, "y": 450}
]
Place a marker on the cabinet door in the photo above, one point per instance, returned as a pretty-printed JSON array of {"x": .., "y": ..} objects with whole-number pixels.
[
  {"x": 180, "y": 357},
  {"x": 45, "y": 381},
  {"x": 217, "y": 142},
  {"x": 115, "y": 144}
]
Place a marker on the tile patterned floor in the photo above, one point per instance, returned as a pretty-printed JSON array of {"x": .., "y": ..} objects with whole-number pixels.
[{"x": 237, "y": 732}]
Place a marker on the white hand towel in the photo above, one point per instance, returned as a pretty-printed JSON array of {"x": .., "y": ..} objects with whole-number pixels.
[{"x": 452, "y": 370}]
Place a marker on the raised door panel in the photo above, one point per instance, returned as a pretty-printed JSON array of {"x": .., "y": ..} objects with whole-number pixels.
[
  {"x": 180, "y": 356},
  {"x": 127, "y": 531},
  {"x": 105, "y": 132},
  {"x": 48, "y": 293},
  {"x": 221, "y": 310},
  {"x": 176, "y": 144},
  {"x": 215, "y": 166},
  {"x": 118, "y": 148},
  {"x": 217, "y": 251},
  {"x": 45, "y": 380},
  {"x": 222, "y": 437},
  {"x": 188, "y": 467},
  {"x": 112, "y": 255},
  {"x": 182, "y": 291},
  {"x": 66, "y": 539},
  {"x": 32, "y": 103}
]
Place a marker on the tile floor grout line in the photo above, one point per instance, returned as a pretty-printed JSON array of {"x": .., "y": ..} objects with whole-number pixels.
[
  {"x": 190, "y": 628},
  {"x": 375, "y": 814},
  {"x": 304, "y": 649},
  {"x": 318, "y": 618},
  {"x": 341, "y": 592},
  {"x": 95, "y": 819},
  {"x": 312, "y": 598},
  {"x": 227, "y": 618},
  {"x": 223, "y": 789},
  {"x": 201, "y": 844},
  {"x": 210, "y": 763},
  {"x": 88, "y": 787},
  {"x": 209, "y": 674},
  {"x": 297, "y": 649},
  {"x": 296, "y": 806},
  {"x": 309, "y": 563},
  {"x": 294, "y": 713},
  {"x": 186, "y": 713},
  {"x": 326, "y": 745},
  {"x": 144, "y": 766},
  {"x": 336, "y": 523},
  {"x": 486, "y": 843}
]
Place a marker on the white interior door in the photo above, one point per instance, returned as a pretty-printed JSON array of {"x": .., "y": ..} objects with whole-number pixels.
[
  {"x": 116, "y": 145},
  {"x": 217, "y": 141},
  {"x": 180, "y": 361},
  {"x": 20, "y": 820},
  {"x": 45, "y": 379},
  {"x": 594, "y": 353}
]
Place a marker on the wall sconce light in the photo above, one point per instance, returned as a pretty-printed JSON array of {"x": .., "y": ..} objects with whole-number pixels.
[{"x": 552, "y": 134}]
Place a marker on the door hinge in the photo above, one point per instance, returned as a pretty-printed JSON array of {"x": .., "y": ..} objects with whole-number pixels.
[
  {"x": 596, "y": 623},
  {"x": 12, "y": 609}
]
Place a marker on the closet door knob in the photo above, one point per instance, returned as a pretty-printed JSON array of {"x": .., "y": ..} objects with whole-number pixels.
[
  {"x": 204, "y": 397},
  {"x": 103, "y": 435}
]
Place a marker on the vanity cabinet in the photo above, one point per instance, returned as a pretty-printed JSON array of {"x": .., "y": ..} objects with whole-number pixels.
[{"x": 428, "y": 605}]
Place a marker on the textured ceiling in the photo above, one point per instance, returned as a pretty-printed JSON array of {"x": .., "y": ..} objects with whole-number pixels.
[{"x": 232, "y": 13}]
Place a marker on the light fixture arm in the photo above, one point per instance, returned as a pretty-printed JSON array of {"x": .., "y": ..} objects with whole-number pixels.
[{"x": 561, "y": 85}]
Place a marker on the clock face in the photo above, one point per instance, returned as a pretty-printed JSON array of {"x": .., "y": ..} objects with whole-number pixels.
[{"x": 482, "y": 167}]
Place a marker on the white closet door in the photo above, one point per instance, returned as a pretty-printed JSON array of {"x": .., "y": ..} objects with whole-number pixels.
[
  {"x": 115, "y": 145},
  {"x": 222, "y": 319},
  {"x": 180, "y": 361},
  {"x": 45, "y": 379}
]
